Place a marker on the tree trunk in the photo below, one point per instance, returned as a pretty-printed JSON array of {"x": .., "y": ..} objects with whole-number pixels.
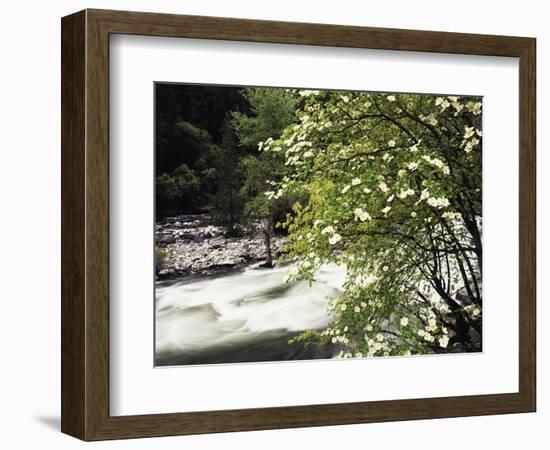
[
  {"x": 267, "y": 240},
  {"x": 231, "y": 209}
]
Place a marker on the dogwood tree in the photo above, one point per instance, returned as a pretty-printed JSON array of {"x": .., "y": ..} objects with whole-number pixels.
[{"x": 393, "y": 183}]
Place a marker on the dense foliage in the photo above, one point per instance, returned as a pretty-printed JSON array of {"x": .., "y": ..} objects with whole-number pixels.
[{"x": 394, "y": 188}]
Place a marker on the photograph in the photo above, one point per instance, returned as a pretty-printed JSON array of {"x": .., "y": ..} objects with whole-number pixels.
[{"x": 313, "y": 224}]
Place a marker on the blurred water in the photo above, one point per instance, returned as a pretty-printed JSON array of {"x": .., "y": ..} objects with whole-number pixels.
[{"x": 239, "y": 317}]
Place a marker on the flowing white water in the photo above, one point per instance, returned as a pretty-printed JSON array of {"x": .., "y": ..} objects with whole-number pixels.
[{"x": 236, "y": 317}]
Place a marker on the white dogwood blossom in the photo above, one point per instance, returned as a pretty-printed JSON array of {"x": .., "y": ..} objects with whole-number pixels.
[
  {"x": 361, "y": 214},
  {"x": 468, "y": 132},
  {"x": 452, "y": 215},
  {"x": 307, "y": 92},
  {"x": 440, "y": 202},
  {"x": 405, "y": 193},
  {"x": 328, "y": 229}
]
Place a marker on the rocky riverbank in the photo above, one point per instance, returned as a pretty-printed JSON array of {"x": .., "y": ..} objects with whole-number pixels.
[{"x": 189, "y": 245}]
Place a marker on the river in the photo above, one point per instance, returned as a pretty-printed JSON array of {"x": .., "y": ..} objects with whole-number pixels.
[{"x": 245, "y": 316}]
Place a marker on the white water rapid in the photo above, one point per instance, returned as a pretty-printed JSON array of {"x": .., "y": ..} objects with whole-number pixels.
[{"x": 242, "y": 317}]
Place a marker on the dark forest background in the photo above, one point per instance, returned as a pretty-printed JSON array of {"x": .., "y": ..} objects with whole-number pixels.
[
  {"x": 208, "y": 158},
  {"x": 191, "y": 122}
]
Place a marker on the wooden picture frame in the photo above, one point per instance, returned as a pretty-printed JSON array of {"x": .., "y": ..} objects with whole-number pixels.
[{"x": 85, "y": 224}]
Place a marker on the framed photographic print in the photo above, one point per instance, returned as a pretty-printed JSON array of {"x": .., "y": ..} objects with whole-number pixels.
[{"x": 270, "y": 224}]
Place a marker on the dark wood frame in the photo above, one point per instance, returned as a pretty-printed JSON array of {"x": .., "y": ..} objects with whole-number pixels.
[{"x": 85, "y": 224}]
